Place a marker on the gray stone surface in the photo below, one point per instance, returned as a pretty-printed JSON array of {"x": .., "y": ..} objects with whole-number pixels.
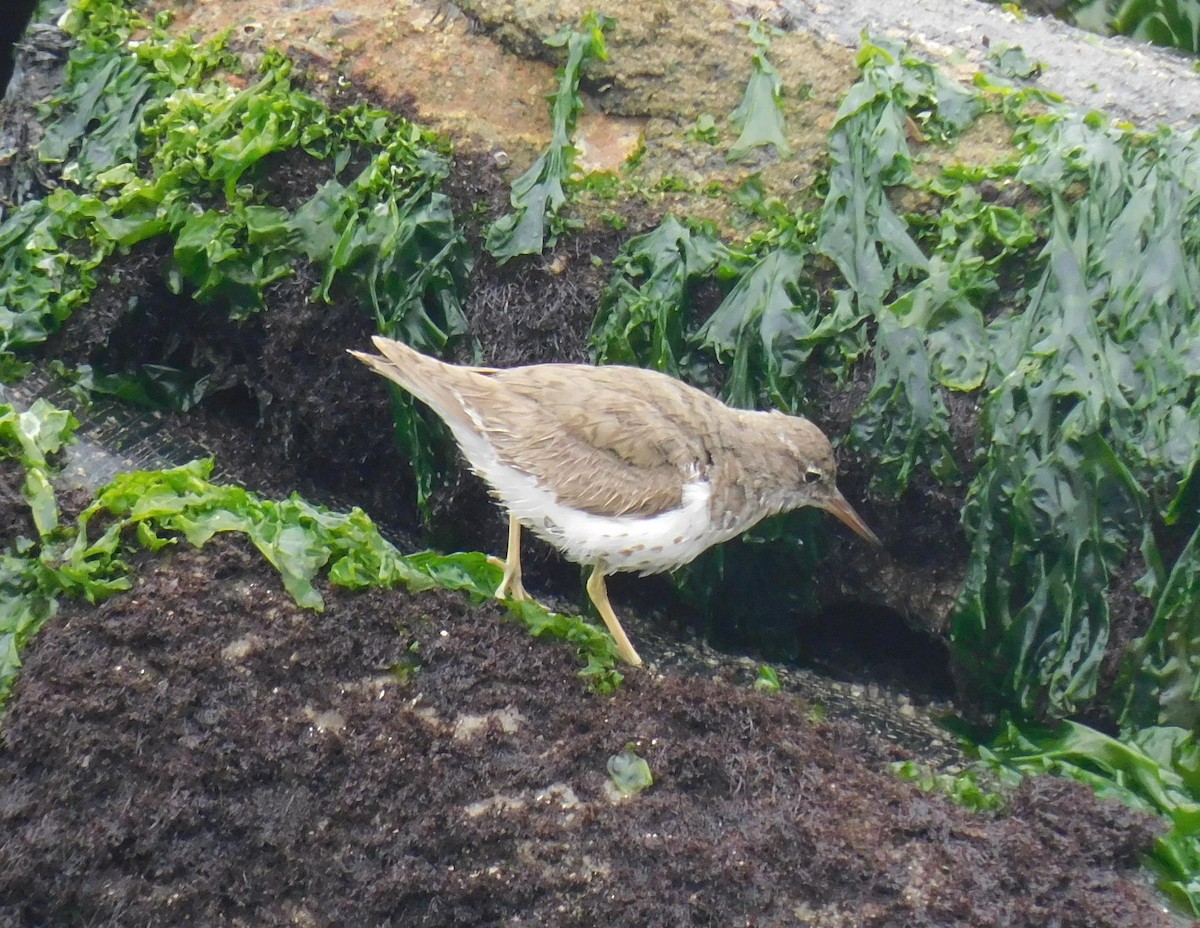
[{"x": 1141, "y": 83}]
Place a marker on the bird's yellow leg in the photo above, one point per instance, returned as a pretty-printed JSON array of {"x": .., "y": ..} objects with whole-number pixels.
[
  {"x": 599, "y": 594},
  {"x": 511, "y": 585}
]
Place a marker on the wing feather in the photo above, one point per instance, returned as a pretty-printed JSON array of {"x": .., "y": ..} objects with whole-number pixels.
[
  {"x": 605, "y": 440},
  {"x": 612, "y": 441}
]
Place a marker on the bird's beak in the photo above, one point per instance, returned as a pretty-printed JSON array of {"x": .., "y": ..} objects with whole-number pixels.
[{"x": 844, "y": 511}]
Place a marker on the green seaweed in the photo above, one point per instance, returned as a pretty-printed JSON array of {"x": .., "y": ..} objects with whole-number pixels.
[
  {"x": 31, "y": 437},
  {"x": 155, "y": 141},
  {"x": 643, "y": 310},
  {"x": 629, "y": 772},
  {"x": 759, "y": 327},
  {"x": 1170, "y": 23},
  {"x": 759, "y": 117},
  {"x": 539, "y": 194},
  {"x": 1160, "y": 682}
]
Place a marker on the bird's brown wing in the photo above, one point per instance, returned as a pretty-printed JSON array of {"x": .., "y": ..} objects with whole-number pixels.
[{"x": 608, "y": 440}]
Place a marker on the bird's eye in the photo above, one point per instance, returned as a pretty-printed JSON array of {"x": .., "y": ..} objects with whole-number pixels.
[{"x": 812, "y": 476}]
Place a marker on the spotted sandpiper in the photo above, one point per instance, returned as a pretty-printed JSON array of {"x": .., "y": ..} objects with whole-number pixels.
[{"x": 619, "y": 468}]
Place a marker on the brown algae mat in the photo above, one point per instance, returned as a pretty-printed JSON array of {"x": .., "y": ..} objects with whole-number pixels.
[{"x": 201, "y": 751}]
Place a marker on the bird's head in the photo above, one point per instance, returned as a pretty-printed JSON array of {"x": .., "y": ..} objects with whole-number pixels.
[{"x": 813, "y": 471}]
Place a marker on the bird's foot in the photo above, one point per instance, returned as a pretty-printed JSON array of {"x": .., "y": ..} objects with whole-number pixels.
[
  {"x": 510, "y": 586},
  {"x": 599, "y": 594}
]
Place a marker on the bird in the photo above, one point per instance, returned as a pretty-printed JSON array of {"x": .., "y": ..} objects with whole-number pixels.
[{"x": 619, "y": 468}]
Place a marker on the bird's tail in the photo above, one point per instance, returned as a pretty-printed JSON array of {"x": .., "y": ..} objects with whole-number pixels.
[
  {"x": 395, "y": 361},
  {"x": 426, "y": 378}
]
